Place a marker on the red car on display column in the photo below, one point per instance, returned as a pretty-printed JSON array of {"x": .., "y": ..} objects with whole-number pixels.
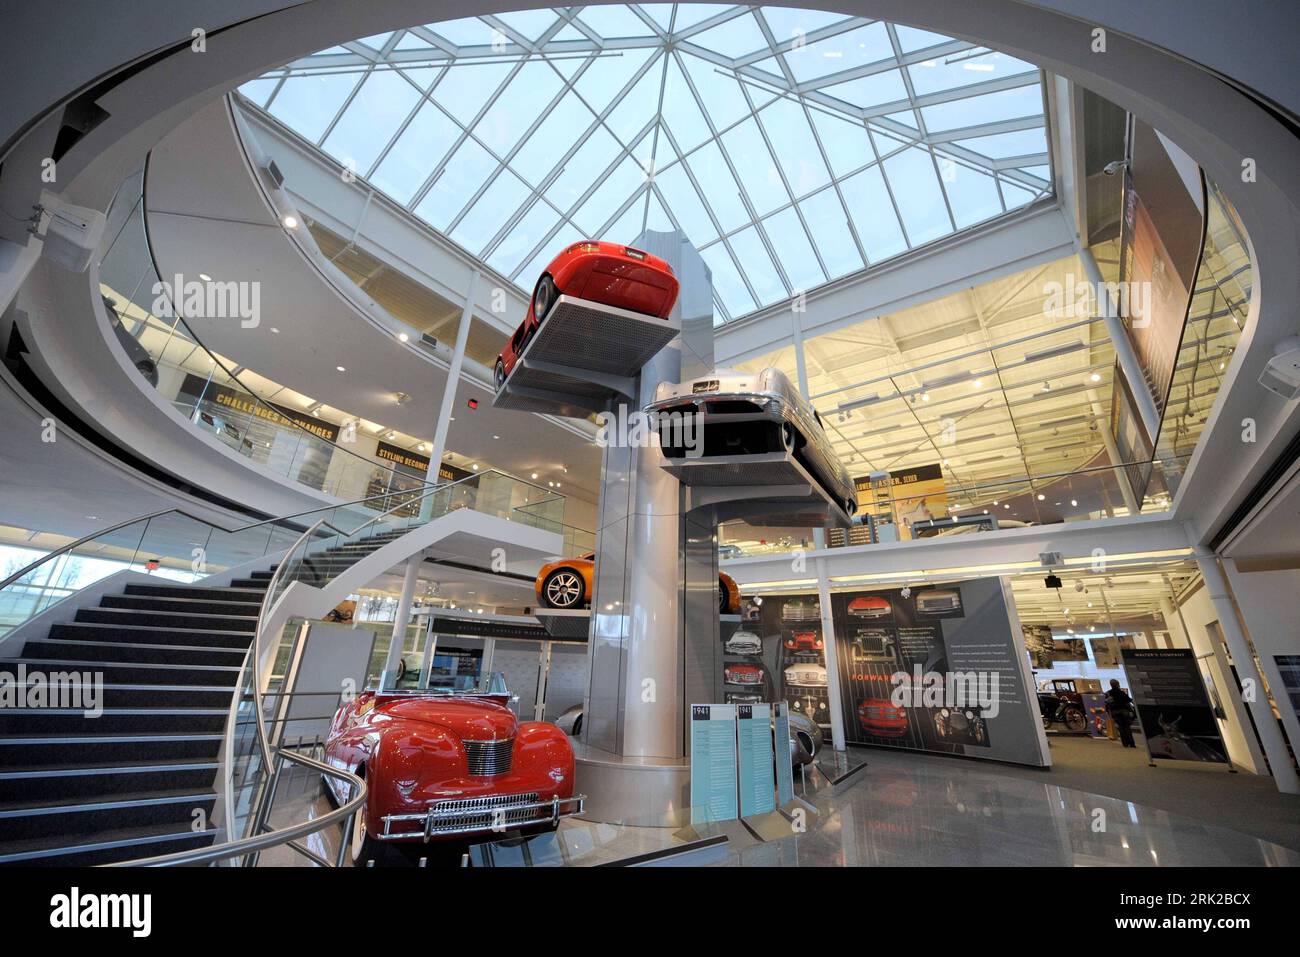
[
  {"x": 881, "y": 718},
  {"x": 440, "y": 766},
  {"x": 803, "y": 641},
  {"x": 608, "y": 273}
]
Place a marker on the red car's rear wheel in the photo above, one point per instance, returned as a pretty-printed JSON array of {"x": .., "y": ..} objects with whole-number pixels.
[
  {"x": 499, "y": 375},
  {"x": 544, "y": 297}
]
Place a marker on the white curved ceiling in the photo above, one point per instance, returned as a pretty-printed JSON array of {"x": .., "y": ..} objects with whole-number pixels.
[{"x": 206, "y": 216}]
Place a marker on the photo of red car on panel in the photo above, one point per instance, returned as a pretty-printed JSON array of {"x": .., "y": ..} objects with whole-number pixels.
[
  {"x": 608, "y": 273},
  {"x": 803, "y": 641},
  {"x": 741, "y": 674},
  {"x": 881, "y": 718},
  {"x": 439, "y": 767}
]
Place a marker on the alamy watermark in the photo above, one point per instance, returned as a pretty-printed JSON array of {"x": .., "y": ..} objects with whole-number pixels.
[
  {"x": 950, "y": 689},
  {"x": 1077, "y": 298},
  {"x": 209, "y": 299},
  {"x": 682, "y": 432},
  {"x": 67, "y": 690}
]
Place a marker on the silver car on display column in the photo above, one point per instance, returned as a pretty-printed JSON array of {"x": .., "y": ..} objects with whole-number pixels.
[{"x": 750, "y": 413}]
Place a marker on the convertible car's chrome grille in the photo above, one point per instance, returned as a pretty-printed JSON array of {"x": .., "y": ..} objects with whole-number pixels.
[
  {"x": 489, "y": 757},
  {"x": 497, "y": 812}
]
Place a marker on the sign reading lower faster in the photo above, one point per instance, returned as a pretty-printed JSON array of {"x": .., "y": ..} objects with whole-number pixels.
[{"x": 713, "y": 763}]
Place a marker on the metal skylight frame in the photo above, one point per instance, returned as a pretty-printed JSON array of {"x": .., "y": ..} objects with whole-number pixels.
[{"x": 569, "y": 37}]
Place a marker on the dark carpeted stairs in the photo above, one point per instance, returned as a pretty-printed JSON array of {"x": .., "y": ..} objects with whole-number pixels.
[{"x": 76, "y": 790}]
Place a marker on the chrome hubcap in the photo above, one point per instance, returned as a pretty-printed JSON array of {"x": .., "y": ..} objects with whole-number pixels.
[{"x": 564, "y": 590}]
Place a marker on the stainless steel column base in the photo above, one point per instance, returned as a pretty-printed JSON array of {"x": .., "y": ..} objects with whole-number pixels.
[{"x": 637, "y": 792}]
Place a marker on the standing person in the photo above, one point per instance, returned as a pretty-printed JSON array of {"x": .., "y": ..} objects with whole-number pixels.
[{"x": 1120, "y": 706}]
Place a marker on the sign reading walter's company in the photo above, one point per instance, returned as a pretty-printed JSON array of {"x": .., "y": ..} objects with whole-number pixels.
[
  {"x": 197, "y": 387},
  {"x": 1175, "y": 712}
]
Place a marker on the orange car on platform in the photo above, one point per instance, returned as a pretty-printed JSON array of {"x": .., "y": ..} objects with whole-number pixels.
[
  {"x": 568, "y": 582},
  {"x": 608, "y": 273}
]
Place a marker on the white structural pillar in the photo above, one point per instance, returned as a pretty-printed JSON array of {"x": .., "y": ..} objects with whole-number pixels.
[
  {"x": 453, "y": 380},
  {"x": 1279, "y": 760},
  {"x": 400, "y": 621},
  {"x": 835, "y": 699}
]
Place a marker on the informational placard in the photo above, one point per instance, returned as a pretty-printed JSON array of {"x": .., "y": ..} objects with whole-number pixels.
[
  {"x": 754, "y": 750},
  {"x": 784, "y": 756},
  {"x": 713, "y": 763},
  {"x": 1172, "y": 706}
]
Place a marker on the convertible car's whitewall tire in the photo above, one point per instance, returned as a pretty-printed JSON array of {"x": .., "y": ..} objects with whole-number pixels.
[{"x": 362, "y": 848}]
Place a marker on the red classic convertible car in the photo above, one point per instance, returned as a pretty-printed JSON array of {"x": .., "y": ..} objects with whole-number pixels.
[
  {"x": 803, "y": 641},
  {"x": 441, "y": 766},
  {"x": 607, "y": 273},
  {"x": 881, "y": 718}
]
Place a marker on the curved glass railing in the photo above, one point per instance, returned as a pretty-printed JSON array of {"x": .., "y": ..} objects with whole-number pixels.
[
  {"x": 885, "y": 516},
  {"x": 205, "y": 387},
  {"x": 178, "y": 546},
  {"x": 170, "y": 544}
]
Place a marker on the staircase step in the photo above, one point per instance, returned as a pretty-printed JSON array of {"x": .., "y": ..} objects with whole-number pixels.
[
  {"x": 163, "y": 619},
  {"x": 146, "y": 635},
  {"x": 252, "y": 596},
  {"x": 105, "y": 848},
  {"x": 112, "y": 695},
  {"x": 184, "y": 606},
  {"x": 251, "y": 583},
  {"x": 58, "y": 782},
  {"x": 80, "y": 821},
  {"x": 31, "y": 722},
  {"x": 124, "y": 672},
  {"x": 62, "y": 649},
  {"x": 33, "y": 750},
  {"x": 262, "y": 576}
]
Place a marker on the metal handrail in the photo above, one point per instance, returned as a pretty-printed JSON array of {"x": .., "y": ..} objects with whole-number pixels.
[{"x": 261, "y": 842}]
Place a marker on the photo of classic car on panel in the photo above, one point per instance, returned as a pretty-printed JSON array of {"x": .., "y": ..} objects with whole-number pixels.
[{"x": 442, "y": 767}]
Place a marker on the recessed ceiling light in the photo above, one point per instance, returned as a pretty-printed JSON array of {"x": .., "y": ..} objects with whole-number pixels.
[
  {"x": 474, "y": 466},
  {"x": 341, "y": 369},
  {"x": 925, "y": 397},
  {"x": 403, "y": 337},
  {"x": 1041, "y": 496},
  {"x": 534, "y": 476},
  {"x": 275, "y": 330},
  {"x": 290, "y": 222},
  {"x": 977, "y": 383},
  {"x": 1095, "y": 377},
  {"x": 205, "y": 277},
  {"x": 496, "y": 436}
]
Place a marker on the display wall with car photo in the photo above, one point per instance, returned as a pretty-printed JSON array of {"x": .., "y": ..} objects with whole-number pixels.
[{"x": 889, "y": 640}]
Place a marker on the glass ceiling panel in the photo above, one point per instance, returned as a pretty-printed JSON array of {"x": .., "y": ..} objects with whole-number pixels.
[{"x": 786, "y": 153}]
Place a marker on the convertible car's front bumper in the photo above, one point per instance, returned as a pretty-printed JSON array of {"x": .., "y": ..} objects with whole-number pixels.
[{"x": 498, "y": 813}]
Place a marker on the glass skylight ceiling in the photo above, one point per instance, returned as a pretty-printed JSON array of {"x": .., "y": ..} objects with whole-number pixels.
[{"x": 793, "y": 147}]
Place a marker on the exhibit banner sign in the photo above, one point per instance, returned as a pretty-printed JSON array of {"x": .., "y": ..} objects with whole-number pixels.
[
  {"x": 784, "y": 756},
  {"x": 1172, "y": 706},
  {"x": 913, "y": 495},
  {"x": 713, "y": 763},
  {"x": 754, "y": 737}
]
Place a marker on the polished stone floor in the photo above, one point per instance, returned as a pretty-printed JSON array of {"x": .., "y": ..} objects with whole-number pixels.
[
  {"x": 901, "y": 810},
  {"x": 897, "y": 810}
]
